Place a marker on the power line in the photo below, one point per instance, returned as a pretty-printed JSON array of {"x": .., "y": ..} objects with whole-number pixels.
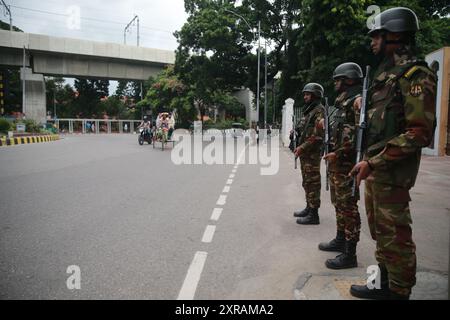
[
  {"x": 23, "y": 19},
  {"x": 86, "y": 18}
]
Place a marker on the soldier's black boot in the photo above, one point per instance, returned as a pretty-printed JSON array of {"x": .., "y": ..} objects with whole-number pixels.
[
  {"x": 364, "y": 292},
  {"x": 311, "y": 218},
  {"x": 302, "y": 213},
  {"x": 335, "y": 245},
  {"x": 345, "y": 260}
]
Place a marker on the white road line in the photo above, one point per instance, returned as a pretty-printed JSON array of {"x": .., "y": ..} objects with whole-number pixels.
[
  {"x": 229, "y": 181},
  {"x": 222, "y": 200},
  {"x": 233, "y": 171},
  {"x": 216, "y": 214},
  {"x": 226, "y": 189},
  {"x": 208, "y": 234},
  {"x": 193, "y": 274},
  {"x": 231, "y": 176},
  {"x": 240, "y": 156}
]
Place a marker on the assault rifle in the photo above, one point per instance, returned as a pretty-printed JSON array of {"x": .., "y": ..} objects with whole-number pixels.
[{"x": 362, "y": 125}]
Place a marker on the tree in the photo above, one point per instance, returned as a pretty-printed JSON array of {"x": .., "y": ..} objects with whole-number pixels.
[
  {"x": 114, "y": 107},
  {"x": 308, "y": 39},
  {"x": 90, "y": 92},
  {"x": 166, "y": 93},
  {"x": 54, "y": 88},
  {"x": 11, "y": 82}
]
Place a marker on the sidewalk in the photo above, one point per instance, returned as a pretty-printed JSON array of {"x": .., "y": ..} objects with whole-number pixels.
[{"x": 430, "y": 208}]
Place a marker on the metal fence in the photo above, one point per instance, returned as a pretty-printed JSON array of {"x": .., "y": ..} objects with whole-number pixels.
[{"x": 94, "y": 125}]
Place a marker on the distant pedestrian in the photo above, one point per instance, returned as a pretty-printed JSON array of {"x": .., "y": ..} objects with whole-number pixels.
[{"x": 125, "y": 127}]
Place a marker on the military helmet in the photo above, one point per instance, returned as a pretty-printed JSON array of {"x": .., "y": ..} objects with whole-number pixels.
[
  {"x": 314, "y": 88},
  {"x": 395, "y": 20},
  {"x": 348, "y": 70}
]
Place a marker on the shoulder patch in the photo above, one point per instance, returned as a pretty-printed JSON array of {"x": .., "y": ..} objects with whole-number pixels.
[
  {"x": 416, "y": 90},
  {"x": 408, "y": 74}
]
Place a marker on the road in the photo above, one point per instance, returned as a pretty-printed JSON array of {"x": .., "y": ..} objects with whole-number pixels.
[{"x": 140, "y": 227}]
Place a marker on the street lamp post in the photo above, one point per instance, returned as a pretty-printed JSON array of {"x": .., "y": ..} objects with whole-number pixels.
[
  {"x": 23, "y": 83},
  {"x": 265, "y": 84},
  {"x": 259, "y": 56},
  {"x": 277, "y": 76}
]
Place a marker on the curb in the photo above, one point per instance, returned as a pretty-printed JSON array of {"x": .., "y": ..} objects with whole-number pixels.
[{"x": 26, "y": 140}]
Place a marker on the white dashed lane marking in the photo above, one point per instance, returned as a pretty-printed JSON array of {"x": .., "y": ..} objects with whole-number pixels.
[
  {"x": 222, "y": 200},
  {"x": 192, "y": 278},
  {"x": 216, "y": 214},
  {"x": 226, "y": 189},
  {"x": 208, "y": 234}
]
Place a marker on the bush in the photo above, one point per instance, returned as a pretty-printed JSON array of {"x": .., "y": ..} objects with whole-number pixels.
[
  {"x": 5, "y": 126},
  {"x": 30, "y": 125}
]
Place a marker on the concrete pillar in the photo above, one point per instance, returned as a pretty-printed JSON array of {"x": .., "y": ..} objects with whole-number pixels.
[
  {"x": 57, "y": 124},
  {"x": 35, "y": 97},
  {"x": 83, "y": 129},
  {"x": 97, "y": 127},
  {"x": 120, "y": 126},
  {"x": 286, "y": 123},
  {"x": 108, "y": 125},
  {"x": 131, "y": 126},
  {"x": 70, "y": 126}
]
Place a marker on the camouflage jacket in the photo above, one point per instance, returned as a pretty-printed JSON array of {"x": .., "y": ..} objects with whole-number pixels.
[
  {"x": 401, "y": 116},
  {"x": 342, "y": 124},
  {"x": 311, "y": 135}
]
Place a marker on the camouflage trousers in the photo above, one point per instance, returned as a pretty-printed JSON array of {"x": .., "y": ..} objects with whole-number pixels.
[
  {"x": 347, "y": 215},
  {"x": 390, "y": 222},
  {"x": 310, "y": 167}
]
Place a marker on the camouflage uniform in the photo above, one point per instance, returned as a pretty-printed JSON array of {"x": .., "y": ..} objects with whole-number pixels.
[
  {"x": 342, "y": 142},
  {"x": 310, "y": 143},
  {"x": 401, "y": 117}
]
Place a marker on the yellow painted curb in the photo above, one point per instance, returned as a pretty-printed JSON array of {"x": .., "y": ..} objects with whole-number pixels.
[{"x": 4, "y": 141}]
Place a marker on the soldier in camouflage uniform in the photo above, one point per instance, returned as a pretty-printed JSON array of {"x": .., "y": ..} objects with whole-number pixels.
[
  {"x": 401, "y": 117},
  {"x": 341, "y": 159},
  {"x": 309, "y": 148}
]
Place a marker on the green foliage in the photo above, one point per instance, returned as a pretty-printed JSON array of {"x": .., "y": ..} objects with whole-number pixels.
[
  {"x": 90, "y": 92},
  {"x": 167, "y": 93},
  {"x": 308, "y": 39},
  {"x": 31, "y": 126},
  {"x": 5, "y": 125}
]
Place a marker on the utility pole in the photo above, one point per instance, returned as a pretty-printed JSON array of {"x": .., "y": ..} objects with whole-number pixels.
[
  {"x": 23, "y": 82},
  {"x": 257, "y": 81},
  {"x": 126, "y": 29},
  {"x": 8, "y": 9}
]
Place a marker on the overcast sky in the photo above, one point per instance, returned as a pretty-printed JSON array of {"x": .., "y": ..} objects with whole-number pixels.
[{"x": 101, "y": 20}]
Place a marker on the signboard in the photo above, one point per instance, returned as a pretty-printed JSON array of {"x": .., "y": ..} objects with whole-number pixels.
[{"x": 20, "y": 127}]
